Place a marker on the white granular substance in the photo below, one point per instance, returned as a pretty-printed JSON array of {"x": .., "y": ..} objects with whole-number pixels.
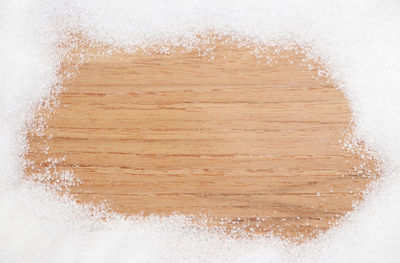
[{"x": 359, "y": 43}]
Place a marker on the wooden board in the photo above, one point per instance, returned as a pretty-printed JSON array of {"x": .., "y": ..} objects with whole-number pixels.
[{"x": 223, "y": 134}]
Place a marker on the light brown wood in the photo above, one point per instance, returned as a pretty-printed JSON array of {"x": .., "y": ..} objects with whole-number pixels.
[{"x": 223, "y": 134}]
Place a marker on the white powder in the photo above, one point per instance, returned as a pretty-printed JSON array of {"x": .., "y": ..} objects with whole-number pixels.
[{"x": 358, "y": 41}]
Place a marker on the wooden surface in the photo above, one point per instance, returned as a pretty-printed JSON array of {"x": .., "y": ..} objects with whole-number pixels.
[{"x": 223, "y": 134}]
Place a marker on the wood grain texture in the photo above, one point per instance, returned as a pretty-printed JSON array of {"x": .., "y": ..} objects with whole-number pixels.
[{"x": 223, "y": 134}]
